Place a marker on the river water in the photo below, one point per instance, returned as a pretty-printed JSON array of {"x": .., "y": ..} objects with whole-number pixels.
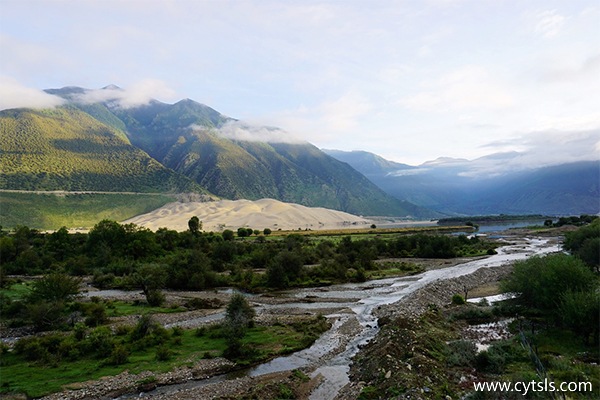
[{"x": 331, "y": 355}]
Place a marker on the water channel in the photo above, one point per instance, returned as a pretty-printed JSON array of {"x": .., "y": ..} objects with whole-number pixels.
[{"x": 331, "y": 354}]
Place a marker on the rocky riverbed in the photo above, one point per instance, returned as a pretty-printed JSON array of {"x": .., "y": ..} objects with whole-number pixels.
[{"x": 340, "y": 303}]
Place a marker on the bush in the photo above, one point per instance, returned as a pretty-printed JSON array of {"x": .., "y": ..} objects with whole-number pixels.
[
  {"x": 461, "y": 353},
  {"x": 119, "y": 355},
  {"x": 155, "y": 298},
  {"x": 163, "y": 353},
  {"x": 541, "y": 282},
  {"x": 458, "y": 299}
]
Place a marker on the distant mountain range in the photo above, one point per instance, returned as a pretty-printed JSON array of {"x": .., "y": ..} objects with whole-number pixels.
[
  {"x": 103, "y": 145},
  {"x": 458, "y": 186}
]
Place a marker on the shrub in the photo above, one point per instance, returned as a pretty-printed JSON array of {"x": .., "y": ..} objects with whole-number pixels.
[
  {"x": 31, "y": 349},
  {"x": 458, "y": 299},
  {"x": 542, "y": 281},
  {"x": 461, "y": 353},
  {"x": 119, "y": 355},
  {"x": 143, "y": 327},
  {"x": 163, "y": 353},
  {"x": 95, "y": 314},
  {"x": 155, "y": 298}
]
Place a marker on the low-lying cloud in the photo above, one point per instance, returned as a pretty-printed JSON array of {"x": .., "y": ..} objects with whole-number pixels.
[
  {"x": 16, "y": 95},
  {"x": 242, "y": 131},
  {"x": 138, "y": 94}
]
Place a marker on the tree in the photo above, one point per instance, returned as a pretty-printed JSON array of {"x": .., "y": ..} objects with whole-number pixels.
[
  {"x": 227, "y": 235},
  {"x": 266, "y": 231},
  {"x": 239, "y": 317},
  {"x": 55, "y": 287},
  {"x": 195, "y": 225},
  {"x": 585, "y": 244},
  {"x": 242, "y": 232},
  {"x": 580, "y": 312},
  {"x": 151, "y": 278},
  {"x": 541, "y": 282}
]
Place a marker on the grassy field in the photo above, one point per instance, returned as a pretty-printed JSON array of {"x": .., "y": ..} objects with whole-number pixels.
[
  {"x": 53, "y": 211},
  {"x": 37, "y": 378}
]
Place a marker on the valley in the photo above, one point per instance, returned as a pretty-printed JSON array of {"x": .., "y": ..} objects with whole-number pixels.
[{"x": 355, "y": 313}]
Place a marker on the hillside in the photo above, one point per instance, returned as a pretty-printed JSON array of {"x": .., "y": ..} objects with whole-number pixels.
[
  {"x": 67, "y": 149},
  {"x": 479, "y": 187},
  {"x": 96, "y": 143},
  {"x": 188, "y": 138}
]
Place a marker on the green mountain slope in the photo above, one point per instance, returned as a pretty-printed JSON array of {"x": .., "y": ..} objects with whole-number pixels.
[
  {"x": 186, "y": 137},
  {"x": 67, "y": 149},
  {"x": 183, "y": 147}
]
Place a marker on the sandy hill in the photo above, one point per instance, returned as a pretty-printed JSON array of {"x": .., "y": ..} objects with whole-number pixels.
[{"x": 232, "y": 214}]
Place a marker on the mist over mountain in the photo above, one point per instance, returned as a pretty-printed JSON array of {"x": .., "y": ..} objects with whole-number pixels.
[
  {"x": 121, "y": 137},
  {"x": 487, "y": 185}
]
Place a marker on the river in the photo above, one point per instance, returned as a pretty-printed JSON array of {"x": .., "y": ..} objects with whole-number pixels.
[{"x": 331, "y": 355}]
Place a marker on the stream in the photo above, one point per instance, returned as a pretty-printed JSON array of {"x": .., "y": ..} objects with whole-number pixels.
[{"x": 331, "y": 354}]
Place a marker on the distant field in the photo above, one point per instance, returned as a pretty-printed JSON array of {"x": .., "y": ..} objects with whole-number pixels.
[{"x": 53, "y": 211}]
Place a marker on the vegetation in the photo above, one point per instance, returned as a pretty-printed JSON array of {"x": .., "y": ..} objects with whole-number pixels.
[
  {"x": 128, "y": 256},
  {"x": 41, "y": 365},
  {"x": 53, "y": 211},
  {"x": 67, "y": 149},
  {"x": 152, "y": 149},
  {"x": 554, "y": 337}
]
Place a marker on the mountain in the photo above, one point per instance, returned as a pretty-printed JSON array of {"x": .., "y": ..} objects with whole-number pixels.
[
  {"x": 189, "y": 138},
  {"x": 114, "y": 145},
  {"x": 67, "y": 149},
  {"x": 458, "y": 186}
]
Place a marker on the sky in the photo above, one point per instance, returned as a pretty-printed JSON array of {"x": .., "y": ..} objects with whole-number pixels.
[{"x": 409, "y": 80}]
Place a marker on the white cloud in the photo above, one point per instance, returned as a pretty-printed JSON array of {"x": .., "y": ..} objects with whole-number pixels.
[
  {"x": 548, "y": 23},
  {"x": 15, "y": 95},
  {"x": 138, "y": 94},
  {"x": 543, "y": 148},
  {"x": 242, "y": 131}
]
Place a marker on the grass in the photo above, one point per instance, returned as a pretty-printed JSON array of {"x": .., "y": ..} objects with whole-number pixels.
[
  {"x": 17, "y": 291},
  {"x": 53, "y": 211},
  {"x": 36, "y": 379},
  {"x": 120, "y": 308}
]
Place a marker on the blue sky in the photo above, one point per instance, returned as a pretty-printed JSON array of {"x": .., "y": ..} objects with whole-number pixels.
[{"x": 410, "y": 80}]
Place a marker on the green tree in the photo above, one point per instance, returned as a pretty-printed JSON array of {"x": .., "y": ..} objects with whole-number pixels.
[
  {"x": 239, "y": 317},
  {"x": 151, "y": 278},
  {"x": 227, "y": 235},
  {"x": 585, "y": 244},
  {"x": 195, "y": 225},
  {"x": 540, "y": 282},
  {"x": 55, "y": 287},
  {"x": 580, "y": 312}
]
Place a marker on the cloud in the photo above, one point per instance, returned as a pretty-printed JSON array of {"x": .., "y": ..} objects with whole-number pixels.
[
  {"x": 538, "y": 149},
  {"x": 242, "y": 131},
  {"x": 548, "y": 23},
  {"x": 138, "y": 94},
  {"x": 15, "y": 95}
]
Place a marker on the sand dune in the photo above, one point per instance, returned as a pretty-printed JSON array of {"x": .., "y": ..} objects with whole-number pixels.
[{"x": 232, "y": 214}]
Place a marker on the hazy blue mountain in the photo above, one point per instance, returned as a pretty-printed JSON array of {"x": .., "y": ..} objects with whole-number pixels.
[{"x": 458, "y": 186}]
